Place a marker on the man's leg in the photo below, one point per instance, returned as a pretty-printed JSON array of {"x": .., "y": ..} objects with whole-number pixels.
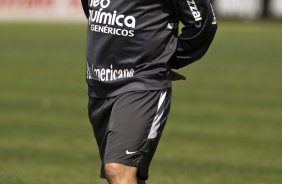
[{"x": 121, "y": 174}]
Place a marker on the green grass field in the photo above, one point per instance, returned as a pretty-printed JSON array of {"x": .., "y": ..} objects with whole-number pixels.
[{"x": 225, "y": 125}]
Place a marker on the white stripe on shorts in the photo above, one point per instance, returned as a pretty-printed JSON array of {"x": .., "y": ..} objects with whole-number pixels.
[{"x": 156, "y": 123}]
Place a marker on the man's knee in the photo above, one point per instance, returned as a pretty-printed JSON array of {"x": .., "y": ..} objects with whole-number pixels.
[
  {"x": 112, "y": 170},
  {"x": 118, "y": 173}
]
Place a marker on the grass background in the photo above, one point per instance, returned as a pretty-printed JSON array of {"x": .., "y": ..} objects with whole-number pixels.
[{"x": 224, "y": 128}]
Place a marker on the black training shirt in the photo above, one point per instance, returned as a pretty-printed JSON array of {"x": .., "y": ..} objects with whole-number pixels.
[{"x": 131, "y": 43}]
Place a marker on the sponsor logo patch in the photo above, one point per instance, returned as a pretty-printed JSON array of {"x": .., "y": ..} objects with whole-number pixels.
[
  {"x": 102, "y": 21},
  {"x": 107, "y": 74}
]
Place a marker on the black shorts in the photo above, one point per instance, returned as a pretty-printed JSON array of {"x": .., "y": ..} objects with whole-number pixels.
[{"x": 128, "y": 127}]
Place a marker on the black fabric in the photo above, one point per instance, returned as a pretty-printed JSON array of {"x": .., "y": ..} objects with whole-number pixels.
[
  {"x": 123, "y": 127},
  {"x": 132, "y": 44}
]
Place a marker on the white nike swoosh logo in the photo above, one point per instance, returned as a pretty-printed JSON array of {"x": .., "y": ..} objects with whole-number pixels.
[{"x": 129, "y": 152}]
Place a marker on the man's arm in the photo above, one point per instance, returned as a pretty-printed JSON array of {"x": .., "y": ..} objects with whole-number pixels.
[
  {"x": 198, "y": 32},
  {"x": 85, "y": 7}
]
